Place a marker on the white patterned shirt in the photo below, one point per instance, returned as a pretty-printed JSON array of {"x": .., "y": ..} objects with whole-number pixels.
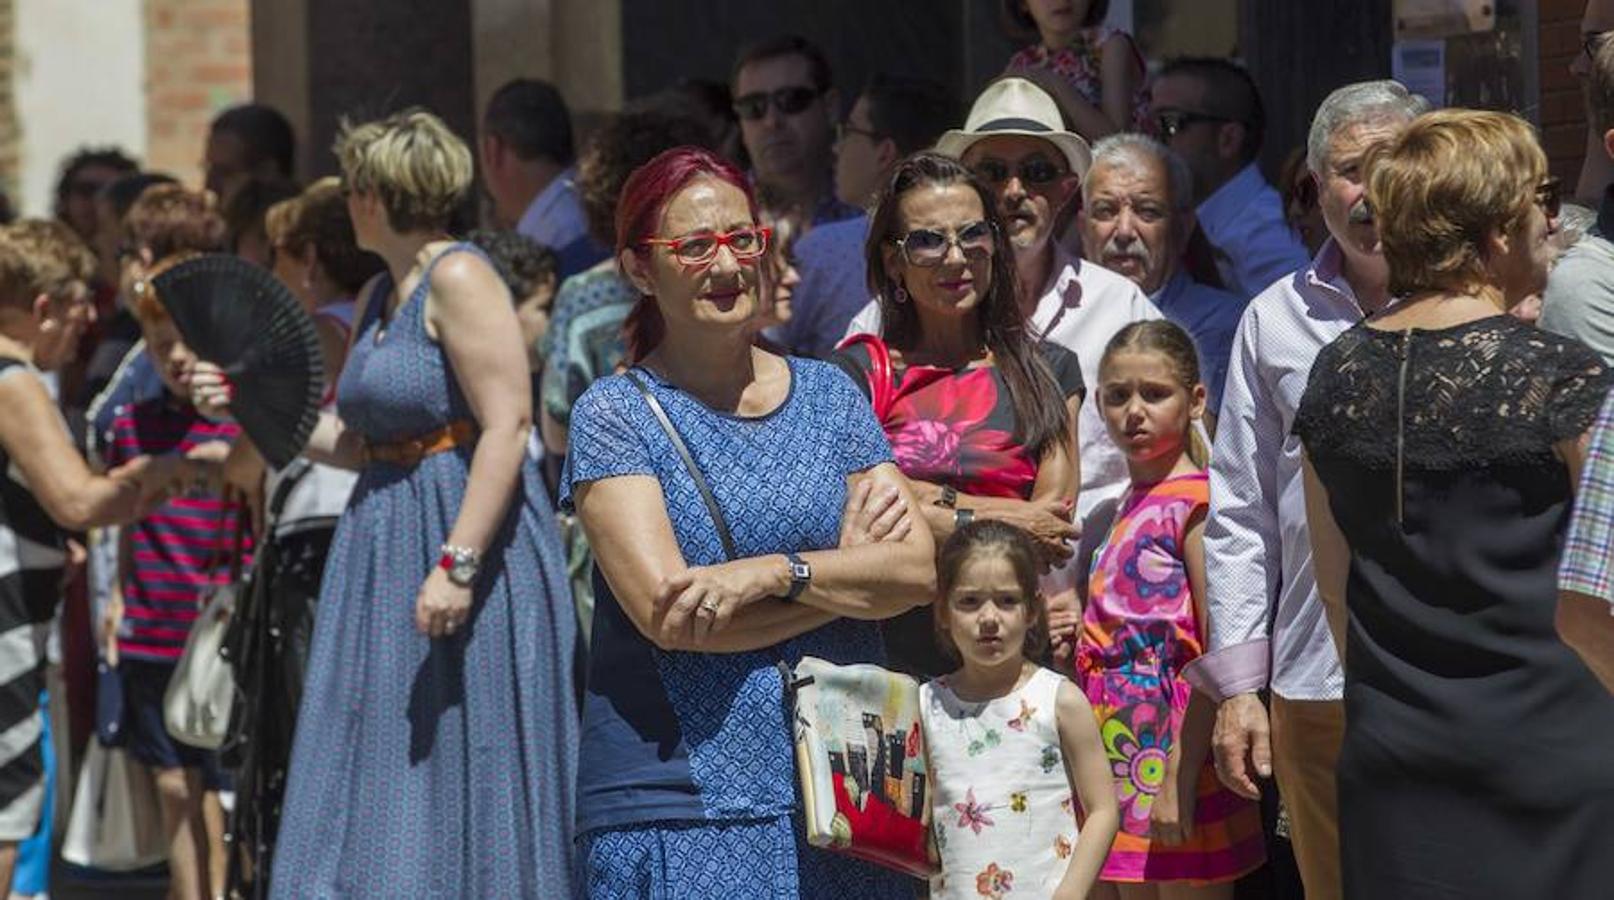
[{"x": 1266, "y": 620}]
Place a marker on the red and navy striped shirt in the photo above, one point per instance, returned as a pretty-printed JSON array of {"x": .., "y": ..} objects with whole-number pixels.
[{"x": 181, "y": 549}]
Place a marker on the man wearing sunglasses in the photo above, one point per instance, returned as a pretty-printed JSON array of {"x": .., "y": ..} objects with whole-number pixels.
[
  {"x": 893, "y": 117},
  {"x": 785, "y": 98},
  {"x": 1579, "y": 300},
  {"x": 1596, "y": 24},
  {"x": 1015, "y": 141},
  {"x": 1209, "y": 112}
]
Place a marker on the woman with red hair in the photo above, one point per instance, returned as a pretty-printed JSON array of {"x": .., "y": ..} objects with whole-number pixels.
[{"x": 687, "y": 785}]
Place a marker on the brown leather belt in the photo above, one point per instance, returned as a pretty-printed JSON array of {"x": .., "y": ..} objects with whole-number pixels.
[{"x": 408, "y": 453}]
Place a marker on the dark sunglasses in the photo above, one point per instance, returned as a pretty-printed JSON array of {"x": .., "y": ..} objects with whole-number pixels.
[
  {"x": 1036, "y": 171},
  {"x": 927, "y": 247},
  {"x": 1550, "y": 196},
  {"x": 1174, "y": 121},
  {"x": 788, "y": 100}
]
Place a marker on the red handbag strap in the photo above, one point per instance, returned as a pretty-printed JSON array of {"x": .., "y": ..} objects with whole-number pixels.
[{"x": 882, "y": 381}]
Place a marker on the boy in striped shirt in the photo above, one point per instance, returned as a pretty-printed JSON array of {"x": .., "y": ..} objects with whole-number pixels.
[{"x": 168, "y": 563}]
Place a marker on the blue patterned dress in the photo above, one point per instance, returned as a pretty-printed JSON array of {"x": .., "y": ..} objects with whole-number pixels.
[
  {"x": 687, "y": 787},
  {"x": 421, "y": 767}
]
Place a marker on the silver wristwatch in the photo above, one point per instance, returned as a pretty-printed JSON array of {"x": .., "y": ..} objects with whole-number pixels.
[{"x": 461, "y": 564}]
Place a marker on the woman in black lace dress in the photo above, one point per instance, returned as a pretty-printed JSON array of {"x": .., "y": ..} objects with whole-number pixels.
[{"x": 1443, "y": 438}]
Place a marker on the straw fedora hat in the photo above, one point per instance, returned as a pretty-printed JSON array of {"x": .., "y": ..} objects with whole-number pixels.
[{"x": 1016, "y": 106}]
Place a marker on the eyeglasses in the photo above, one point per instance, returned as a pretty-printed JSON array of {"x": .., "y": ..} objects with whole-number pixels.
[
  {"x": 1550, "y": 197},
  {"x": 788, "y": 100},
  {"x": 1174, "y": 121},
  {"x": 701, "y": 249},
  {"x": 928, "y": 247},
  {"x": 842, "y": 129},
  {"x": 1037, "y": 170}
]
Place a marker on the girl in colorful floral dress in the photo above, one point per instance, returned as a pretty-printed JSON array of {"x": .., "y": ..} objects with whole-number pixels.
[
  {"x": 1014, "y": 750},
  {"x": 1094, "y": 71},
  {"x": 1182, "y": 833}
]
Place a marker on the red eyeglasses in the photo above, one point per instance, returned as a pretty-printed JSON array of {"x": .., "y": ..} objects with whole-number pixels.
[{"x": 700, "y": 249}]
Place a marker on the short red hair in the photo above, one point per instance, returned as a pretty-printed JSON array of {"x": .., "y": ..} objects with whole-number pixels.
[{"x": 638, "y": 214}]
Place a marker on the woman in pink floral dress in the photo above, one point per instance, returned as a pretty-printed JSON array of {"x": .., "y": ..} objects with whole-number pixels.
[{"x": 981, "y": 417}]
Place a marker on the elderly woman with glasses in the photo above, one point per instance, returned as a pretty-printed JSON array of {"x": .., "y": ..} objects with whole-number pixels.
[
  {"x": 1443, "y": 438},
  {"x": 713, "y": 568},
  {"x": 980, "y": 414}
]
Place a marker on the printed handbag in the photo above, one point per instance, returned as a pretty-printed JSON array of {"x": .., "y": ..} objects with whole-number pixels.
[
  {"x": 860, "y": 756},
  {"x": 201, "y": 692}
]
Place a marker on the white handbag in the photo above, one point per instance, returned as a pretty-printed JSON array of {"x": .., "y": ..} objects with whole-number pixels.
[
  {"x": 116, "y": 824},
  {"x": 201, "y": 692}
]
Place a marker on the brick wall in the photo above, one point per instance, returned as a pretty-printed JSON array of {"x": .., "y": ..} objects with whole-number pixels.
[
  {"x": 1563, "y": 115},
  {"x": 198, "y": 62},
  {"x": 10, "y": 142}
]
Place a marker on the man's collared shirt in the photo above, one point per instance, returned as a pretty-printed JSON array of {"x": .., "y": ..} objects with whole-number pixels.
[
  {"x": 1579, "y": 300},
  {"x": 1588, "y": 560},
  {"x": 1243, "y": 220},
  {"x": 1211, "y": 316},
  {"x": 1082, "y": 307},
  {"x": 1266, "y": 619},
  {"x": 555, "y": 219},
  {"x": 834, "y": 286}
]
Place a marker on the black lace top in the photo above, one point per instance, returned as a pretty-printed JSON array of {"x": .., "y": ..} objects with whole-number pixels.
[
  {"x": 1490, "y": 391},
  {"x": 1465, "y": 713}
]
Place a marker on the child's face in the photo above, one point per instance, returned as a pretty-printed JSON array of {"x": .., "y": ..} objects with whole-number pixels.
[
  {"x": 1145, "y": 405},
  {"x": 533, "y": 314},
  {"x": 1058, "y": 16},
  {"x": 985, "y": 614},
  {"x": 169, "y": 353},
  {"x": 63, "y": 322}
]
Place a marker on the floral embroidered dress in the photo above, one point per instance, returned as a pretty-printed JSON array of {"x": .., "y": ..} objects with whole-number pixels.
[
  {"x": 956, "y": 428},
  {"x": 1001, "y": 811},
  {"x": 1138, "y": 632},
  {"x": 1081, "y": 63}
]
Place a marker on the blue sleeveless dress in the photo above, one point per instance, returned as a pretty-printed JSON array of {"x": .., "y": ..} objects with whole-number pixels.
[{"x": 421, "y": 767}]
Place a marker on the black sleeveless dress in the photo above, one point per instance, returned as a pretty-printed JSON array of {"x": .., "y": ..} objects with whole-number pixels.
[{"x": 1479, "y": 752}]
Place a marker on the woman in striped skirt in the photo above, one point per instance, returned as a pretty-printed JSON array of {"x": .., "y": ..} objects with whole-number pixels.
[{"x": 45, "y": 486}]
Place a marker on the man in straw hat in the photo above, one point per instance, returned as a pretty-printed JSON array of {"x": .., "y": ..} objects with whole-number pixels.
[{"x": 1016, "y": 142}]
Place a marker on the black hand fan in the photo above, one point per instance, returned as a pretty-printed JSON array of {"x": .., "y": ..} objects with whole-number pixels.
[{"x": 242, "y": 319}]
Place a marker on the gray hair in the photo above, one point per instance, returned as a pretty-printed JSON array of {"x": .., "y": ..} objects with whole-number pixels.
[
  {"x": 1357, "y": 104},
  {"x": 1127, "y": 149}
]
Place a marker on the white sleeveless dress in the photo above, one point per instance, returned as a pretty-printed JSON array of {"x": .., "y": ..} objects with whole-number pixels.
[{"x": 1001, "y": 809}]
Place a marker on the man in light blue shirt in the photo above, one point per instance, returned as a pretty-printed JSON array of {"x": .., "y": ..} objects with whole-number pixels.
[
  {"x": 893, "y": 117},
  {"x": 1209, "y": 112},
  {"x": 1137, "y": 215},
  {"x": 528, "y": 166}
]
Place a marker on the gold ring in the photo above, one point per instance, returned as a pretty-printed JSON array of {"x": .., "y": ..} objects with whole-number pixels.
[{"x": 709, "y": 605}]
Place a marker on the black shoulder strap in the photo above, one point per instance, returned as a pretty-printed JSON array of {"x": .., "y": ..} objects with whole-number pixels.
[{"x": 689, "y": 464}]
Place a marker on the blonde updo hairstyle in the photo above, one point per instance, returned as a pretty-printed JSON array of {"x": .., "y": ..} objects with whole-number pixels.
[
  {"x": 1442, "y": 186},
  {"x": 418, "y": 168}
]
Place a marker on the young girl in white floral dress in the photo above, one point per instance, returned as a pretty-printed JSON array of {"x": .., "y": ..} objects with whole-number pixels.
[{"x": 1014, "y": 748}]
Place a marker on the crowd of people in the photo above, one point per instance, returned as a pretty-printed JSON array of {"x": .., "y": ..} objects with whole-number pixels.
[{"x": 1221, "y": 522}]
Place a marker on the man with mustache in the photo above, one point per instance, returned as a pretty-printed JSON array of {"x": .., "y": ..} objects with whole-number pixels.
[
  {"x": 1016, "y": 143},
  {"x": 1136, "y": 218},
  {"x": 1266, "y": 622}
]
